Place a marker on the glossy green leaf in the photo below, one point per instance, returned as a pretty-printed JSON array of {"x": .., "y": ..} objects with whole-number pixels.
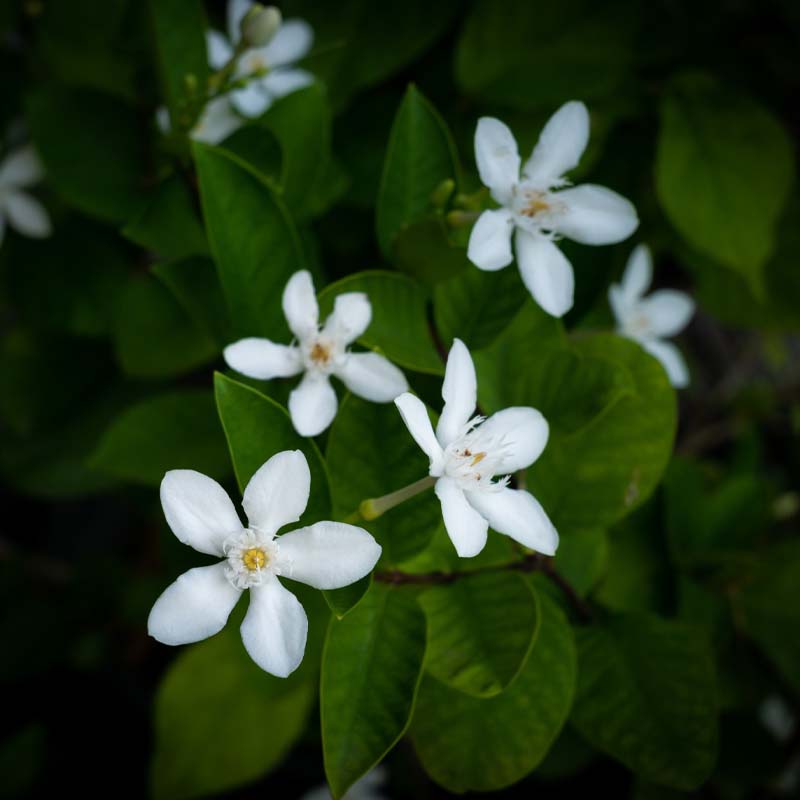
[
  {"x": 426, "y": 252},
  {"x": 480, "y": 631},
  {"x": 484, "y": 744},
  {"x": 583, "y": 558},
  {"x": 647, "y": 696},
  {"x": 399, "y": 327},
  {"x": 371, "y": 668},
  {"x": 174, "y": 430},
  {"x": 421, "y": 155},
  {"x": 717, "y": 151},
  {"x": 253, "y": 241}
]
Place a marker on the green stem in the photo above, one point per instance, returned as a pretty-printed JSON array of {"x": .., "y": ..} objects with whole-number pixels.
[{"x": 375, "y": 507}]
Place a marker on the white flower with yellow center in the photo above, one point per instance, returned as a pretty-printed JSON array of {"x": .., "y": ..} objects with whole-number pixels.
[
  {"x": 326, "y": 555},
  {"x": 468, "y": 453},
  {"x": 267, "y": 70},
  {"x": 537, "y": 210},
  {"x": 319, "y": 353},
  {"x": 20, "y": 170},
  {"x": 648, "y": 320}
]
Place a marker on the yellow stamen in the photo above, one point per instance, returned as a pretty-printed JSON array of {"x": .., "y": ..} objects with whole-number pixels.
[
  {"x": 254, "y": 559},
  {"x": 478, "y": 458},
  {"x": 536, "y": 205},
  {"x": 320, "y": 354}
]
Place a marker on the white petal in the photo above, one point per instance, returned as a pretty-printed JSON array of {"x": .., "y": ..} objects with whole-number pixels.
[
  {"x": 217, "y": 121},
  {"x": 667, "y": 311},
  {"x": 261, "y": 358},
  {"x": 595, "y": 215},
  {"x": 466, "y": 528},
  {"x": 163, "y": 120},
  {"x": 638, "y": 273},
  {"x": 546, "y": 273},
  {"x": 490, "y": 241},
  {"x": 236, "y": 10},
  {"x": 275, "y": 628},
  {"x": 621, "y": 306},
  {"x": 27, "y": 215},
  {"x": 312, "y": 405},
  {"x": 283, "y": 81},
  {"x": 277, "y": 494},
  {"x": 497, "y": 157},
  {"x": 519, "y": 515},
  {"x": 350, "y": 317},
  {"x": 291, "y": 43},
  {"x": 459, "y": 392},
  {"x": 671, "y": 359},
  {"x": 524, "y": 433},
  {"x": 195, "y": 607},
  {"x": 21, "y": 168},
  {"x": 219, "y": 49},
  {"x": 560, "y": 146},
  {"x": 416, "y": 419},
  {"x": 300, "y": 305},
  {"x": 252, "y": 100},
  {"x": 198, "y": 510},
  {"x": 372, "y": 377},
  {"x": 327, "y": 555}
]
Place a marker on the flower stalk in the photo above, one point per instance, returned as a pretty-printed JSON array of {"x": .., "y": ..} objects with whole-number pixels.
[{"x": 375, "y": 507}]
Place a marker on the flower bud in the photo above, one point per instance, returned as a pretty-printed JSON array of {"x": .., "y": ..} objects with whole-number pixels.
[{"x": 260, "y": 24}]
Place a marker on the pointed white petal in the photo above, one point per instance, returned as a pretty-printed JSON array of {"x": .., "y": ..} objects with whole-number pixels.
[
  {"x": 312, "y": 405},
  {"x": 546, "y": 273},
  {"x": 490, "y": 241},
  {"x": 595, "y": 215},
  {"x": 163, "y": 120},
  {"x": 261, "y": 358},
  {"x": 198, "y": 510},
  {"x": 219, "y": 49},
  {"x": 519, "y": 515},
  {"x": 283, "y": 81},
  {"x": 416, "y": 419},
  {"x": 621, "y": 307},
  {"x": 638, "y": 273},
  {"x": 300, "y": 305},
  {"x": 236, "y": 10},
  {"x": 252, "y": 100},
  {"x": 195, "y": 607},
  {"x": 466, "y": 528},
  {"x": 291, "y": 43},
  {"x": 27, "y": 215},
  {"x": 459, "y": 392},
  {"x": 21, "y": 168},
  {"x": 372, "y": 377},
  {"x": 275, "y": 628},
  {"x": 523, "y": 433},
  {"x": 327, "y": 555},
  {"x": 217, "y": 121},
  {"x": 560, "y": 146},
  {"x": 671, "y": 359},
  {"x": 350, "y": 317},
  {"x": 497, "y": 157},
  {"x": 277, "y": 494},
  {"x": 667, "y": 312}
]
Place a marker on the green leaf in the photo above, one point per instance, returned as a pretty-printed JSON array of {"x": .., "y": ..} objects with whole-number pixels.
[
  {"x": 647, "y": 696},
  {"x": 253, "y": 241},
  {"x": 724, "y": 167},
  {"x": 175, "y": 430},
  {"x": 257, "y": 428},
  {"x": 371, "y": 668},
  {"x": 371, "y": 453},
  {"x": 91, "y": 147},
  {"x": 475, "y": 744},
  {"x": 480, "y": 631},
  {"x": 399, "y": 327},
  {"x": 421, "y": 154},
  {"x": 583, "y": 558},
  {"x": 426, "y": 252}
]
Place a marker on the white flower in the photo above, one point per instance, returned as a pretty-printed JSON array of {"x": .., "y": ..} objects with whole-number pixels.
[
  {"x": 319, "y": 353},
  {"x": 466, "y": 453},
  {"x": 648, "y": 320},
  {"x": 326, "y": 555},
  {"x": 21, "y": 169},
  {"x": 368, "y": 787},
  {"x": 217, "y": 121},
  {"x": 291, "y": 42},
  {"x": 588, "y": 214}
]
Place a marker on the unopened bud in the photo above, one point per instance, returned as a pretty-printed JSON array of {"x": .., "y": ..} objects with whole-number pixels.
[
  {"x": 441, "y": 194},
  {"x": 260, "y": 24}
]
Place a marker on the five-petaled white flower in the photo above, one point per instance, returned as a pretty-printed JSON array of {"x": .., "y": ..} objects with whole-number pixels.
[
  {"x": 588, "y": 214},
  {"x": 217, "y": 121},
  {"x": 320, "y": 353},
  {"x": 466, "y": 453},
  {"x": 326, "y": 555},
  {"x": 648, "y": 320},
  {"x": 270, "y": 64},
  {"x": 21, "y": 169}
]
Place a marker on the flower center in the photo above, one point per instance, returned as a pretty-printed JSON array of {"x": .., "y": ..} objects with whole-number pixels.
[
  {"x": 536, "y": 204},
  {"x": 320, "y": 354},
  {"x": 474, "y": 458},
  {"x": 252, "y": 557},
  {"x": 536, "y": 210}
]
